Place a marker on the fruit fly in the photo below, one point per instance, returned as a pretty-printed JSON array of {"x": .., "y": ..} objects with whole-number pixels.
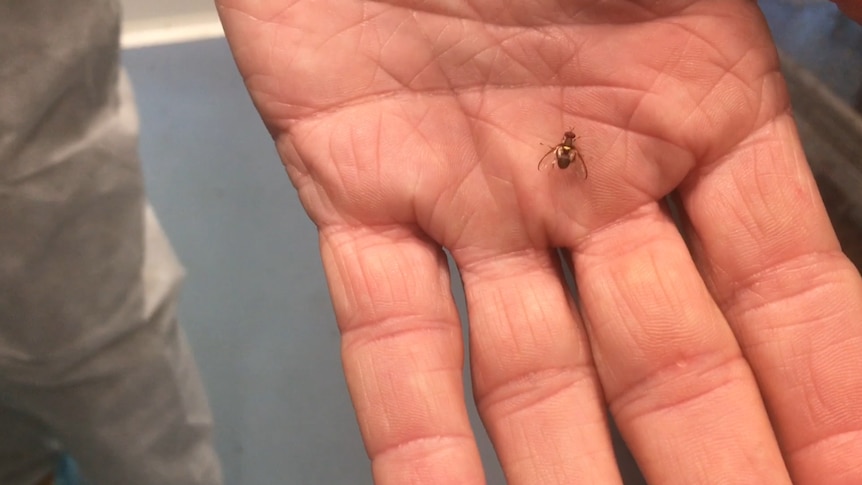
[{"x": 565, "y": 154}]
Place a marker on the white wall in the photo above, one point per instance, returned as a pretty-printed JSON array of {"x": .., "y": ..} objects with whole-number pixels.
[
  {"x": 135, "y": 10},
  {"x": 151, "y": 22}
]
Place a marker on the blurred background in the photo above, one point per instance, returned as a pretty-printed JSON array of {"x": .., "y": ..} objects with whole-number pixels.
[{"x": 255, "y": 304}]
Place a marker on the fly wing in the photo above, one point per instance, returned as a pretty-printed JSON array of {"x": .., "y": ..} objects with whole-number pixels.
[
  {"x": 579, "y": 165},
  {"x": 548, "y": 160}
]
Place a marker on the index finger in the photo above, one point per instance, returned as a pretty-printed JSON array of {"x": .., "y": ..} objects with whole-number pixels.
[{"x": 768, "y": 252}]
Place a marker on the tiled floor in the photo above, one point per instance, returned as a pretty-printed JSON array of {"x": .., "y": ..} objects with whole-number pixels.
[{"x": 256, "y": 305}]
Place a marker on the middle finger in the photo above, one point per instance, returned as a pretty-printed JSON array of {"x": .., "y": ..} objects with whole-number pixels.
[{"x": 533, "y": 377}]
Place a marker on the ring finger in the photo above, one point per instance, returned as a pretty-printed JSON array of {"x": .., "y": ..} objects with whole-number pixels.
[{"x": 683, "y": 396}]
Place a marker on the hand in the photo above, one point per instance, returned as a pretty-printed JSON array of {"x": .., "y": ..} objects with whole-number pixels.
[
  {"x": 415, "y": 126},
  {"x": 853, "y": 8}
]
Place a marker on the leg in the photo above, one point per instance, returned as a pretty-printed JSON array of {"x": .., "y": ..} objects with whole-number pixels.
[{"x": 89, "y": 344}]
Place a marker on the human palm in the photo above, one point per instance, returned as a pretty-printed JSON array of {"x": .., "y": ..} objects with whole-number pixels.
[{"x": 415, "y": 126}]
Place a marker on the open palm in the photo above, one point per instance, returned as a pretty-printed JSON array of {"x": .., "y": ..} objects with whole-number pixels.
[{"x": 409, "y": 127}]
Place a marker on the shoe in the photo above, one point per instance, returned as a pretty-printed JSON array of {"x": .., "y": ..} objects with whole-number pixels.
[{"x": 67, "y": 473}]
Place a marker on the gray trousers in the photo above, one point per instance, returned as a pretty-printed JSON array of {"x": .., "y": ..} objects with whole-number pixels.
[{"x": 91, "y": 356}]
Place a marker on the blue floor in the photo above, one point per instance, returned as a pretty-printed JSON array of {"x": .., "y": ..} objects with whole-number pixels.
[{"x": 822, "y": 39}]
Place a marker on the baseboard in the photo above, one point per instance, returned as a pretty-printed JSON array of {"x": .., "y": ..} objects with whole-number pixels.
[{"x": 171, "y": 30}]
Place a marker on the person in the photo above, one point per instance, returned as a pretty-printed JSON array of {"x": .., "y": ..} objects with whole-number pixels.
[
  {"x": 91, "y": 357},
  {"x": 734, "y": 355},
  {"x": 727, "y": 350}
]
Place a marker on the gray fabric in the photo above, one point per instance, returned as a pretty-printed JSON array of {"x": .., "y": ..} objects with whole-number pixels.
[{"x": 91, "y": 355}]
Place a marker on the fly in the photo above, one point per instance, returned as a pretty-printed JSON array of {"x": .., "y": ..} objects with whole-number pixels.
[{"x": 565, "y": 154}]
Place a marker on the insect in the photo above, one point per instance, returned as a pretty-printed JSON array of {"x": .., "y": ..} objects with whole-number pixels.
[{"x": 565, "y": 154}]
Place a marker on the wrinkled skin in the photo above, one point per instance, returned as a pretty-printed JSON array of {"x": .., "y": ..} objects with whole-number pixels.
[{"x": 412, "y": 126}]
